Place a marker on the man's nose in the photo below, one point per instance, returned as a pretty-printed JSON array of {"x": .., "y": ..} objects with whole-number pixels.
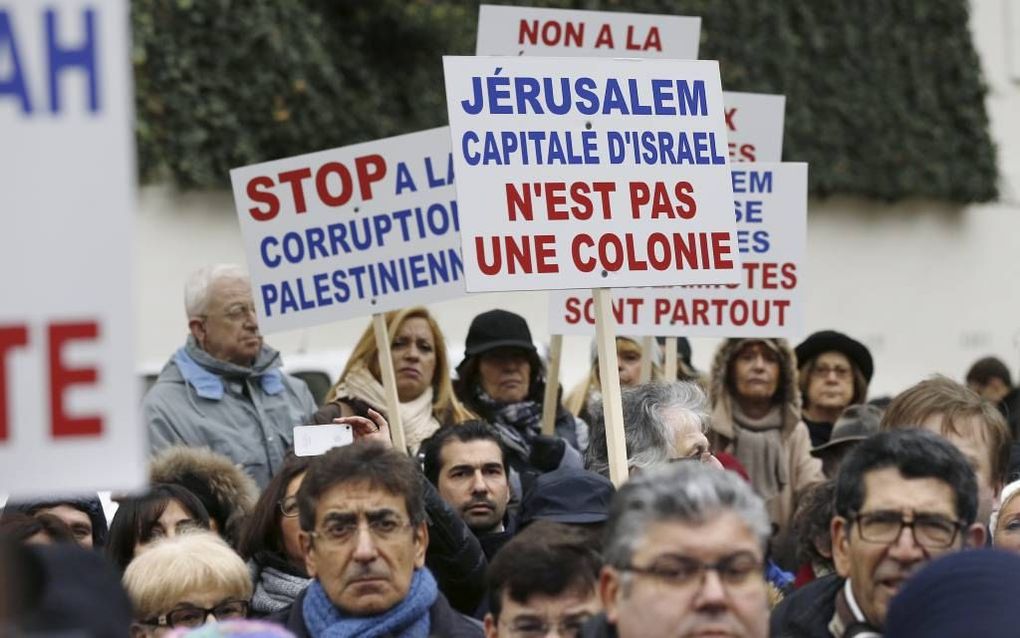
[
  {"x": 478, "y": 485},
  {"x": 905, "y": 548},
  {"x": 712, "y": 593},
  {"x": 365, "y": 550}
]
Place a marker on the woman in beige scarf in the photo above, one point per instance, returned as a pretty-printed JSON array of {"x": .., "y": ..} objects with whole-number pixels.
[{"x": 422, "y": 372}]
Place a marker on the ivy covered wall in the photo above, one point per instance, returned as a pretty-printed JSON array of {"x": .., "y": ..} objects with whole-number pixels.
[{"x": 884, "y": 98}]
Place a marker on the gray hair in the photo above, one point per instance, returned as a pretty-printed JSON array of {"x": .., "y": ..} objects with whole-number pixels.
[
  {"x": 650, "y": 441},
  {"x": 196, "y": 289},
  {"x": 687, "y": 492}
]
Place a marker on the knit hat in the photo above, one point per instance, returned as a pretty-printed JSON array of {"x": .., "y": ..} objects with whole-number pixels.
[
  {"x": 830, "y": 340},
  {"x": 568, "y": 495},
  {"x": 961, "y": 595},
  {"x": 91, "y": 505},
  {"x": 498, "y": 329}
]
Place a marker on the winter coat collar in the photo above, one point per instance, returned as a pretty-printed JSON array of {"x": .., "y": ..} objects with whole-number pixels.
[
  {"x": 723, "y": 401},
  {"x": 205, "y": 373}
]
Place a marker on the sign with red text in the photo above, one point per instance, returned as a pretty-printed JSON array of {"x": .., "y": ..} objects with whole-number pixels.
[
  {"x": 580, "y": 175},
  {"x": 770, "y": 201},
  {"x": 754, "y": 123},
  {"x": 68, "y": 392},
  {"x": 351, "y": 231},
  {"x": 505, "y": 30}
]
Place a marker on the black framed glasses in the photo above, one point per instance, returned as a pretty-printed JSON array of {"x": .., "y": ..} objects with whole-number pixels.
[
  {"x": 931, "y": 531},
  {"x": 683, "y": 571},
  {"x": 191, "y": 616},
  {"x": 288, "y": 506},
  {"x": 535, "y": 627}
]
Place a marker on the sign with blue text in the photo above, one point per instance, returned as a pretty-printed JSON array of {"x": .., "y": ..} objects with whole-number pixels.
[
  {"x": 68, "y": 391},
  {"x": 770, "y": 202},
  {"x": 577, "y": 175},
  {"x": 351, "y": 231}
]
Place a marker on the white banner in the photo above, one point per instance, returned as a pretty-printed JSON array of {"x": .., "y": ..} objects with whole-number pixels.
[
  {"x": 771, "y": 211},
  {"x": 504, "y": 30},
  {"x": 68, "y": 392},
  {"x": 572, "y": 175},
  {"x": 351, "y": 231},
  {"x": 754, "y": 123}
]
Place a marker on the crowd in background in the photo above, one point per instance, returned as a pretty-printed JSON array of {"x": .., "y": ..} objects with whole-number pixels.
[{"x": 767, "y": 496}]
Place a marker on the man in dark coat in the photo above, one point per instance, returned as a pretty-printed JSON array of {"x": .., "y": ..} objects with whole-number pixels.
[{"x": 364, "y": 536}]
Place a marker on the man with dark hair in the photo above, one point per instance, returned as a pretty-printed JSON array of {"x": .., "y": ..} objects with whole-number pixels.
[
  {"x": 973, "y": 425},
  {"x": 544, "y": 579},
  {"x": 468, "y": 466},
  {"x": 990, "y": 378},
  {"x": 903, "y": 498},
  {"x": 364, "y": 537},
  {"x": 84, "y": 515}
]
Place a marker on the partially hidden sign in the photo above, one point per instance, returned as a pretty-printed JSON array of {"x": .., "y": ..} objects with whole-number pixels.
[
  {"x": 754, "y": 122},
  {"x": 771, "y": 212},
  {"x": 505, "y": 30},
  {"x": 68, "y": 390},
  {"x": 573, "y": 175},
  {"x": 351, "y": 231}
]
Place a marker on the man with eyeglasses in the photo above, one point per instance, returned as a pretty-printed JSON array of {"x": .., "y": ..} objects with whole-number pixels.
[
  {"x": 364, "y": 536},
  {"x": 834, "y": 372},
  {"x": 903, "y": 498},
  {"x": 224, "y": 388},
  {"x": 684, "y": 556},
  {"x": 542, "y": 581}
]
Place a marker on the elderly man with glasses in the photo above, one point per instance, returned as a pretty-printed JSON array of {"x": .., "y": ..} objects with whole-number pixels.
[
  {"x": 903, "y": 498},
  {"x": 684, "y": 556},
  {"x": 224, "y": 388},
  {"x": 364, "y": 536}
]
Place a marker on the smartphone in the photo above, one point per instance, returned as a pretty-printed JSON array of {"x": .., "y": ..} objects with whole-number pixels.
[{"x": 313, "y": 440}]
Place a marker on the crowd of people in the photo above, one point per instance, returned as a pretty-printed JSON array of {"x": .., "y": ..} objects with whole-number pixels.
[{"x": 766, "y": 497}]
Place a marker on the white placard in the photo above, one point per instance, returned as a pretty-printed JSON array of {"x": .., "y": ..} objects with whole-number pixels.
[
  {"x": 754, "y": 123},
  {"x": 576, "y": 175},
  {"x": 771, "y": 207},
  {"x": 504, "y": 30},
  {"x": 351, "y": 231},
  {"x": 68, "y": 393}
]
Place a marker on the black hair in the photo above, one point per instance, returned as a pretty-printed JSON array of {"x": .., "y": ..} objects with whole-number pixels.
[
  {"x": 473, "y": 430},
  {"x": 916, "y": 454},
  {"x": 261, "y": 531},
  {"x": 547, "y": 559},
  {"x": 988, "y": 368},
  {"x": 136, "y": 517},
  {"x": 20, "y": 527},
  {"x": 360, "y": 462}
]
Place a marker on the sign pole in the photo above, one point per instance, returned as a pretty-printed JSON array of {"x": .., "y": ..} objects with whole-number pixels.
[
  {"x": 552, "y": 385},
  {"x": 389, "y": 381},
  {"x": 647, "y": 348},
  {"x": 612, "y": 405},
  {"x": 671, "y": 360}
]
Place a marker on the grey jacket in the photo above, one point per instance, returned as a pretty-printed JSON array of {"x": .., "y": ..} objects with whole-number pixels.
[{"x": 246, "y": 414}]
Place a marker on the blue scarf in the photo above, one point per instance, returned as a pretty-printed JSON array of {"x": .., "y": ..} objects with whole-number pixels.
[{"x": 408, "y": 619}]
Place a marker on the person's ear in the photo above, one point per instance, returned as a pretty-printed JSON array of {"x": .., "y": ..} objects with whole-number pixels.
[
  {"x": 308, "y": 549},
  {"x": 491, "y": 626},
  {"x": 975, "y": 536},
  {"x": 610, "y": 585},
  {"x": 197, "y": 328},
  {"x": 421, "y": 543},
  {"x": 840, "y": 531}
]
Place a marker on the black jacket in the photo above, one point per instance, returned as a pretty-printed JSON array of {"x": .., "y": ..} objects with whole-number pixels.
[
  {"x": 806, "y": 613},
  {"x": 444, "y": 621},
  {"x": 454, "y": 555}
]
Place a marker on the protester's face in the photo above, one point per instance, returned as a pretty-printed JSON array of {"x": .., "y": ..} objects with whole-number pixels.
[
  {"x": 77, "y": 520},
  {"x": 174, "y": 520},
  {"x": 756, "y": 372},
  {"x": 414, "y": 358},
  {"x": 628, "y": 362},
  {"x": 877, "y": 570},
  {"x": 198, "y": 598},
  {"x": 1006, "y": 534},
  {"x": 831, "y": 384},
  {"x": 365, "y": 550},
  {"x": 473, "y": 483},
  {"x": 229, "y": 330},
  {"x": 290, "y": 528},
  {"x": 689, "y": 440},
  {"x": 567, "y": 611},
  {"x": 977, "y": 450},
  {"x": 646, "y": 605},
  {"x": 505, "y": 374}
]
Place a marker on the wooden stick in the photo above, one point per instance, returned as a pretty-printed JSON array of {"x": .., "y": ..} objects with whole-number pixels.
[
  {"x": 389, "y": 381},
  {"x": 610, "y": 376},
  {"x": 552, "y": 386},
  {"x": 647, "y": 350},
  {"x": 671, "y": 360}
]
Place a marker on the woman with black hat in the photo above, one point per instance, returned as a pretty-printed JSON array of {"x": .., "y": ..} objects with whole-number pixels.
[
  {"x": 502, "y": 379},
  {"x": 834, "y": 372}
]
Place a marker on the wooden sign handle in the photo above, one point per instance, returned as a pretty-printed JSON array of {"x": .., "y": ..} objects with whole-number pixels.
[
  {"x": 552, "y": 385},
  {"x": 609, "y": 374},
  {"x": 670, "y": 368},
  {"x": 647, "y": 348},
  {"x": 389, "y": 382}
]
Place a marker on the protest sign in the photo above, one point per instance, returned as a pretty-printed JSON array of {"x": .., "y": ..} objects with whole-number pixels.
[
  {"x": 506, "y": 30},
  {"x": 351, "y": 231},
  {"x": 754, "y": 123},
  {"x": 771, "y": 213},
  {"x": 578, "y": 176},
  {"x": 68, "y": 392}
]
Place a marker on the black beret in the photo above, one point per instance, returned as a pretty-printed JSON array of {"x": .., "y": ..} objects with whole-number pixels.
[{"x": 829, "y": 340}]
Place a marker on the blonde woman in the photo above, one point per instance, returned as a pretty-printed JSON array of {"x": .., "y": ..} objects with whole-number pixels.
[
  {"x": 629, "y": 354},
  {"x": 422, "y": 371}
]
